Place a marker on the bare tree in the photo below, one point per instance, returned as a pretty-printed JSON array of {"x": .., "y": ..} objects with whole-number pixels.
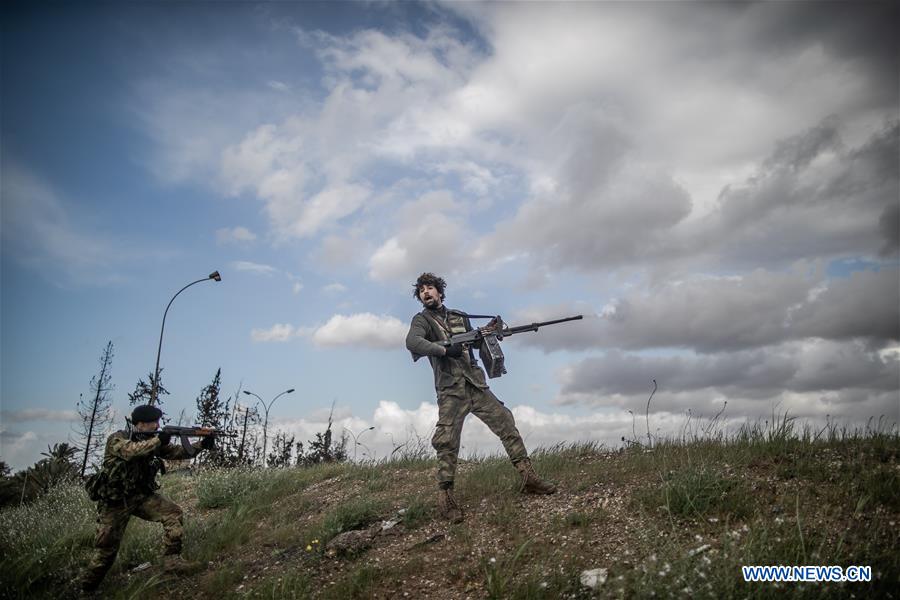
[
  {"x": 143, "y": 391},
  {"x": 322, "y": 449},
  {"x": 211, "y": 410},
  {"x": 95, "y": 413},
  {"x": 282, "y": 450},
  {"x": 245, "y": 417}
]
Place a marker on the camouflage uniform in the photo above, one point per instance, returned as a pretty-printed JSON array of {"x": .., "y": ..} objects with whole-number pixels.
[
  {"x": 461, "y": 389},
  {"x": 125, "y": 486}
]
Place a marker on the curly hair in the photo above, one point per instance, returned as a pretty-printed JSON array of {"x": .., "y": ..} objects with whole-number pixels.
[{"x": 429, "y": 279}]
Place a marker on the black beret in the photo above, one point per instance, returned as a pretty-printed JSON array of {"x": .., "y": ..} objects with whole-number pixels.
[{"x": 145, "y": 414}]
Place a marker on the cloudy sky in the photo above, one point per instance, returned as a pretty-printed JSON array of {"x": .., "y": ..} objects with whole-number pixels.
[{"x": 713, "y": 185}]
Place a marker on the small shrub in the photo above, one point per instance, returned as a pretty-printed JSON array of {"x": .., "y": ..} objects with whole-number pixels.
[
  {"x": 499, "y": 573},
  {"x": 353, "y": 514},
  {"x": 418, "y": 512},
  {"x": 288, "y": 586},
  {"x": 221, "y": 488},
  {"x": 698, "y": 490},
  {"x": 578, "y": 519},
  {"x": 357, "y": 584}
]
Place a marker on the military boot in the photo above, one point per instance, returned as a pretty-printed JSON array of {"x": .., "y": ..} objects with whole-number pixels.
[
  {"x": 447, "y": 506},
  {"x": 531, "y": 483},
  {"x": 88, "y": 587},
  {"x": 176, "y": 565}
]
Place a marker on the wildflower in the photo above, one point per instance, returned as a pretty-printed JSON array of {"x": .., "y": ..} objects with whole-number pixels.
[{"x": 308, "y": 547}]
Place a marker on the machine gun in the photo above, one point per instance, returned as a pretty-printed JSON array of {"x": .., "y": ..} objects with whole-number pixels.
[{"x": 490, "y": 336}]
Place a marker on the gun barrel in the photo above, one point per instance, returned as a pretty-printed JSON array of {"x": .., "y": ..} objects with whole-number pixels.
[{"x": 535, "y": 326}]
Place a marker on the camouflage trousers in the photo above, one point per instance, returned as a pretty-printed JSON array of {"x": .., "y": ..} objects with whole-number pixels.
[
  {"x": 453, "y": 408},
  {"x": 111, "y": 523}
]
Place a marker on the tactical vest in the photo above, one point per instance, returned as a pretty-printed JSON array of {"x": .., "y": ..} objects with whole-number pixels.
[
  {"x": 120, "y": 481},
  {"x": 448, "y": 371}
]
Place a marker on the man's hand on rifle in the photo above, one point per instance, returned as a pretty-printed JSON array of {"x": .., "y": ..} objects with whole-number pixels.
[
  {"x": 164, "y": 439},
  {"x": 453, "y": 351}
]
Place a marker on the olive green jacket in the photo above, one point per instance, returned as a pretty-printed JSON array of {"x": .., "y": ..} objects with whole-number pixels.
[{"x": 431, "y": 326}]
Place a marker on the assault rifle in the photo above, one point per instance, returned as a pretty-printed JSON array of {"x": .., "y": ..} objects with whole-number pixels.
[
  {"x": 490, "y": 336},
  {"x": 185, "y": 432},
  {"x": 195, "y": 431}
]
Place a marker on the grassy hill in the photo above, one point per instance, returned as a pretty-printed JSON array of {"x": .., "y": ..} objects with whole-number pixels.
[{"x": 678, "y": 519}]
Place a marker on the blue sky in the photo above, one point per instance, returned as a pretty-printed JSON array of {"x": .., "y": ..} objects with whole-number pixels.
[{"x": 714, "y": 186}]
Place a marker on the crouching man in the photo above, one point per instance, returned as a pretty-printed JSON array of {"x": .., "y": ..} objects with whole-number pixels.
[
  {"x": 126, "y": 485},
  {"x": 461, "y": 389}
]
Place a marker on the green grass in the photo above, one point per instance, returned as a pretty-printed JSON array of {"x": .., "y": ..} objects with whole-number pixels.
[
  {"x": 358, "y": 583},
  {"x": 501, "y": 573},
  {"x": 289, "y": 586},
  {"x": 677, "y": 519},
  {"x": 699, "y": 491},
  {"x": 419, "y": 510},
  {"x": 356, "y": 513},
  {"x": 45, "y": 543},
  {"x": 486, "y": 477}
]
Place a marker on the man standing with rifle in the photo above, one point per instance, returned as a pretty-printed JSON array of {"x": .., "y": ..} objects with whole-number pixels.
[
  {"x": 126, "y": 485},
  {"x": 461, "y": 389}
]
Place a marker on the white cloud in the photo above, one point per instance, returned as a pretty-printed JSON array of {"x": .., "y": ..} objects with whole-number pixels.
[
  {"x": 432, "y": 236},
  {"x": 362, "y": 329},
  {"x": 280, "y": 332},
  {"x": 297, "y": 287},
  {"x": 38, "y": 414},
  {"x": 232, "y": 235},
  {"x": 334, "y": 288},
  {"x": 252, "y": 267},
  {"x": 398, "y": 429},
  {"x": 328, "y": 206},
  {"x": 44, "y": 233},
  {"x": 19, "y": 448}
]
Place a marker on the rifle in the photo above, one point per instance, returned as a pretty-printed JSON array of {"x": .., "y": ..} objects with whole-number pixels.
[
  {"x": 490, "y": 336},
  {"x": 195, "y": 431}
]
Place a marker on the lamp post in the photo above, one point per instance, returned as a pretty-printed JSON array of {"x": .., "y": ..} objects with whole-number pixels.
[
  {"x": 155, "y": 390},
  {"x": 266, "y": 422},
  {"x": 356, "y": 437}
]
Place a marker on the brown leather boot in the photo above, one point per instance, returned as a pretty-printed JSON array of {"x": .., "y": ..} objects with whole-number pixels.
[
  {"x": 175, "y": 564},
  {"x": 447, "y": 506},
  {"x": 531, "y": 483}
]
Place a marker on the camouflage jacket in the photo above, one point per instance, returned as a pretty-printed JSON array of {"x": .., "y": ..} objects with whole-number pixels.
[
  {"x": 130, "y": 467},
  {"x": 431, "y": 326}
]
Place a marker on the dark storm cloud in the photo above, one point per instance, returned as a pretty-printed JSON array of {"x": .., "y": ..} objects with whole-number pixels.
[
  {"x": 811, "y": 198},
  {"x": 862, "y": 32},
  {"x": 795, "y": 367},
  {"x": 607, "y": 212},
  {"x": 726, "y": 314}
]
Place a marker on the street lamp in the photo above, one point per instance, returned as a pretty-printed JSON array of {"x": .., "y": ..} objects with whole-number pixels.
[
  {"x": 155, "y": 391},
  {"x": 266, "y": 422},
  {"x": 356, "y": 439}
]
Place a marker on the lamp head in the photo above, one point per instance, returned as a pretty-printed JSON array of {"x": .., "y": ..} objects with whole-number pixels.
[{"x": 215, "y": 276}]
